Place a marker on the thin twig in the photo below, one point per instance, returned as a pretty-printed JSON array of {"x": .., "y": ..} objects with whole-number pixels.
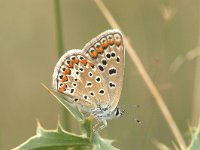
[
  {"x": 154, "y": 91},
  {"x": 59, "y": 31}
]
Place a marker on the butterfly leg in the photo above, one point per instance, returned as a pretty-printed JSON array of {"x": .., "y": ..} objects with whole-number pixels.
[
  {"x": 102, "y": 126},
  {"x": 95, "y": 125}
]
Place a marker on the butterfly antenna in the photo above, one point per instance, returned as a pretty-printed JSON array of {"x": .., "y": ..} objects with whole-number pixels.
[
  {"x": 125, "y": 112},
  {"x": 136, "y": 106},
  {"x": 137, "y": 120}
]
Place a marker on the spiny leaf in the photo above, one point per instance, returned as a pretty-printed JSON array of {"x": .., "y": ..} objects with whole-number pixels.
[
  {"x": 96, "y": 141},
  {"x": 53, "y": 139},
  {"x": 195, "y": 142},
  {"x": 102, "y": 144}
]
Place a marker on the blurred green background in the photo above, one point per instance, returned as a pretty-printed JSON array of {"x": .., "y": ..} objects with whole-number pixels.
[{"x": 164, "y": 34}]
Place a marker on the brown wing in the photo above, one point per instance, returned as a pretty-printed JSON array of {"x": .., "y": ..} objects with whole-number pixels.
[{"x": 107, "y": 52}]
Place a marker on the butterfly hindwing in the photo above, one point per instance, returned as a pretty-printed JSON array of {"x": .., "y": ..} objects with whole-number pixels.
[{"x": 77, "y": 77}]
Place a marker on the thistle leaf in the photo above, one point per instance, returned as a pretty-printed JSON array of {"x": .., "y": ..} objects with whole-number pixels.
[{"x": 53, "y": 139}]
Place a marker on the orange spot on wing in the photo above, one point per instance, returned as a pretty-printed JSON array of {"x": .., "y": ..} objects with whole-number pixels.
[
  {"x": 64, "y": 79},
  {"x": 110, "y": 41},
  {"x": 61, "y": 89},
  {"x": 83, "y": 61},
  {"x": 105, "y": 45},
  {"x": 93, "y": 54},
  {"x": 99, "y": 49},
  {"x": 76, "y": 61},
  {"x": 67, "y": 71},
  {"x": 70, "y": 65},
  {"x": 91, "y": 65},
  {"x": 118, "y": 42}
]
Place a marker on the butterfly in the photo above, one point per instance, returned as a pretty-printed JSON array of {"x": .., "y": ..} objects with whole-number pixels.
[{"x": 92, "y": 78}]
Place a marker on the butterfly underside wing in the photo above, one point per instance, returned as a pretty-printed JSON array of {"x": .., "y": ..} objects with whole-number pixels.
[{"x": 93, "y": 77}]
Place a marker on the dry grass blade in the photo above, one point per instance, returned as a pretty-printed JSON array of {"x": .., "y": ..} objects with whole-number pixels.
[
  {"x": 196, "y": 112},
  {"x": 132, "y": 53},
  {"x": 196, "y": 95},
  {"x": 48, "y": 90}
]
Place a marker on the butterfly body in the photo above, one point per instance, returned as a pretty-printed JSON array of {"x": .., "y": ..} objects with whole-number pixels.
[{"x": 92, "y": 77}]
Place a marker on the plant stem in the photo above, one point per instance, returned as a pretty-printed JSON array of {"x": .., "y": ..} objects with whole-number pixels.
[
  {"x": 58, "y": 20},
  {"x": 60, "y": 50}
]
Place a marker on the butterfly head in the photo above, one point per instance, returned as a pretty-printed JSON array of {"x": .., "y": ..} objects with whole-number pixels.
[
  {"x": 118, "y": 112},
  {"x": 107, "y": 113}
]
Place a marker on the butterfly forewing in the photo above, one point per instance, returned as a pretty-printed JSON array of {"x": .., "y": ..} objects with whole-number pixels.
[{"x": 107, "y": 52}]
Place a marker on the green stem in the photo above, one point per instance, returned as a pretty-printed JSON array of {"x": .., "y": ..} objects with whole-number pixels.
[
  {"x": 58, "y": 19},
  {"x": 60, "y": 49}
]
